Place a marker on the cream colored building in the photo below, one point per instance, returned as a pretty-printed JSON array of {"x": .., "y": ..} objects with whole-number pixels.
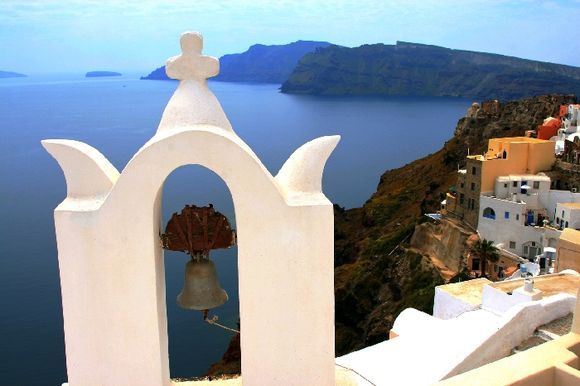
[
  {"x": 514, "y": 155},
  {"x": 568, "y": 249}
]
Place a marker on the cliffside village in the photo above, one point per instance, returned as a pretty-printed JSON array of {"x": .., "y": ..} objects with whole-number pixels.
[
  {"x": 514, "y": 323},
  {"x": 509, "y": 195}
]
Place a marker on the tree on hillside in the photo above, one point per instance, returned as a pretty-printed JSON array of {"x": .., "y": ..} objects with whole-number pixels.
[{"x": 485, "y": 251}]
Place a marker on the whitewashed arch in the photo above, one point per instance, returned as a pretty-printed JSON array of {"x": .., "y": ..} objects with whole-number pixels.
[{"x": 111, "y": 261}]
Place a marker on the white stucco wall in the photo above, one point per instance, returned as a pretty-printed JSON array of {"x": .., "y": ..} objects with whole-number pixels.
[
  {"x": 504, "y": 185},
  {"x": 429, "y": 349},
  {"x": 502, "y": 230},
  {"x": 516, "y": 324},
  {"x": 568, "y": 215},
  {"x": 446, "y": 306},
  {"x": 111, "y": 262},
  {"x": 550, "y": 199}
]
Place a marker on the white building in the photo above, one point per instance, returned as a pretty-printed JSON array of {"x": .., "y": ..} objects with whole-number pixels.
[
  {"x": 570, "y": 127},
  {"x": 523, "y": 216},
  {"x": 568, "y": 215}
]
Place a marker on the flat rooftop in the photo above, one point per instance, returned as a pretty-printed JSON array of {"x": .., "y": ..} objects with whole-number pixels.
[
  {"x": 519, "y": 177},
  {"x": 570, "y": 235},
  {"x": 548, "y": 284},
  {"x": 470, "y": 291},
  {"x": 571, "y": 205},
  {"x": 519, "y": 139}
]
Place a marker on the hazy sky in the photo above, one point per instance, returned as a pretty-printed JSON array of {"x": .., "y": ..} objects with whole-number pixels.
[{"x": 76, "y": 36}]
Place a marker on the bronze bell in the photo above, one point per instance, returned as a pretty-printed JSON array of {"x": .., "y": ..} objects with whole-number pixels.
[
  {"x": 196, "y": 231},
  {"x": 201, "y": 289}
]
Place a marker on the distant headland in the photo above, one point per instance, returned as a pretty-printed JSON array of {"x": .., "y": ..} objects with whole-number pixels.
[
  {"x": 259, "y": 64},
  {"x": 10, "y": 74},
  {"x": 402, "y": 69},
  {"x": 97, "y": 74},
  {"x": 411, "y": 69}
]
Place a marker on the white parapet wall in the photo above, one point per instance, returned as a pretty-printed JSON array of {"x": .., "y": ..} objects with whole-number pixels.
[
  {"x": 452, "y": 300},
  {"x": 447, "y": 306},
  {"x": 517, "y": 324},
  {"x": 427, "y": 349}
]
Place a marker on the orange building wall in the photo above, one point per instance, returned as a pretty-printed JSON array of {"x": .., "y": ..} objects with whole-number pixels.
[
  {"x": 549, "y": 130},
  {"x": 524, "y": 156}
]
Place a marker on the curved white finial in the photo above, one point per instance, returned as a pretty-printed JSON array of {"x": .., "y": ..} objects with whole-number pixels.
[
  {"x": 193, "y": 102},
  {"x": 87, "y": 172},
  {"x": 302, "y": 172}
]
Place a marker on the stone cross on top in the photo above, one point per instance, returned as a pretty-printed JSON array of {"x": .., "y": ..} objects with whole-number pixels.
[
  {"x": 193, "y": 103},
  {"x": 191, "y": 64}
]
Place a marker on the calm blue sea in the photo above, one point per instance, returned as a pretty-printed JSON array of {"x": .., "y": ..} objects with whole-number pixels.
[{"x": 117, "y": 116}]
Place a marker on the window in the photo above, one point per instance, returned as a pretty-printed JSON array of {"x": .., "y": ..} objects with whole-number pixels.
[
  {"x": 533, "y": 243},
  {"x": 461, "y": 198},
  {"x": 517, "y": 217},
  {"x": 506, "y": 215},
  {"x": 525, "y": 250},
  {"x": 462, "y": 185},
  {"x": 473, "y": 170},
  {"x": 515, "y": 184},
  {"x": 566, "y": 224},
  {"x": 475, "y": 265},
  {"x": 512, "y": 245},
  {"x": 536, "y": 184},
  {"x": 489, "y": 213},
  {"x": 473, "y": 186},
  {"x": 472, "y": 204},
  {"x": 505, "y": 185},
  {"x": 557, "y": 220},
  {"x": 562, "y": 214}
]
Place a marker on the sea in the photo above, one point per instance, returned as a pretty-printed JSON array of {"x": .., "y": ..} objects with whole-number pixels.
[{"x": 117, "y": 116}]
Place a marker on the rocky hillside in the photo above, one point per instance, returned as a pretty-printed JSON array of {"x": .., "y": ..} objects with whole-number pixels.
[
  {"x": 265, "y": 64},
  {"x": 259, "y": 64},
  {"x": 423, "y": 70},
  {"x": 381, "y": 263}
]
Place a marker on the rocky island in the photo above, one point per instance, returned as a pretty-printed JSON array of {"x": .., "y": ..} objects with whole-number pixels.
[
  {"x": 99, "y": 74},
  {"x": 411, "y": 69},
  {"x": 10, "y": 74},
  {"x": 259, "y": 64}
]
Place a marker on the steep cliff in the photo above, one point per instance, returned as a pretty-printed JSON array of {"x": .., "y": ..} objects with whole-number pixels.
[
  {"x": 423, "y": 70},
  {"x": 445, "y": 242}
]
